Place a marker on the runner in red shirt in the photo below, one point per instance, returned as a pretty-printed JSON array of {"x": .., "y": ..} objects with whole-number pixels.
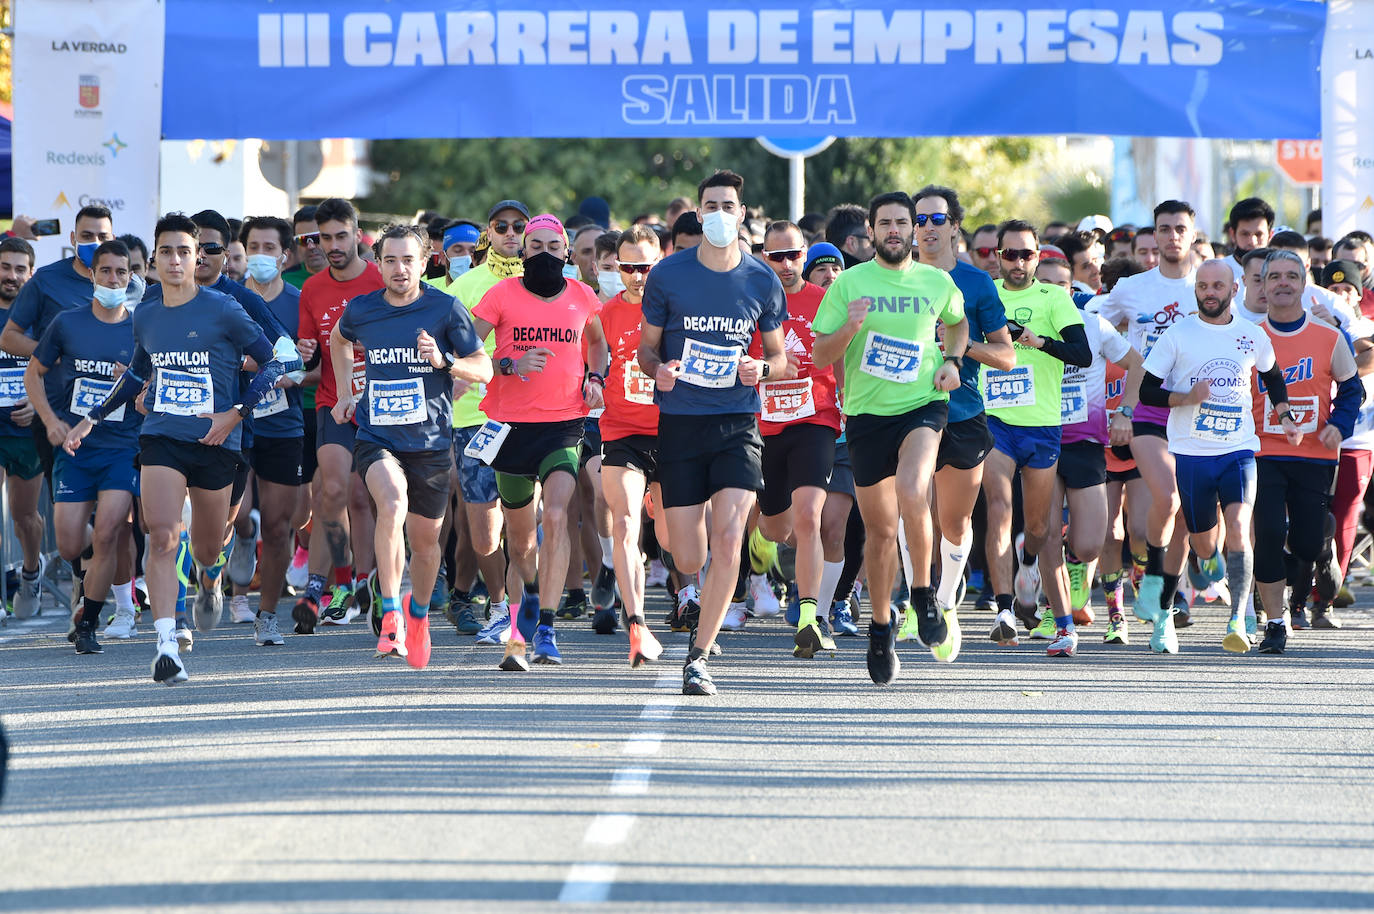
[
  {"x": 800, "y": 421},
  {"x": 629, "y": 434},
  {"x": 341, "y": 499}
]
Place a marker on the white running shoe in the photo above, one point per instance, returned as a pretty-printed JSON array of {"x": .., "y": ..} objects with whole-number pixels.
[
  {"x": 657, "y": 576},
  {"x": 497, "y": 631},
  {"x": 167, "y": 665},
  {"x": 1065, "y": 643},
  {"x": 265, "y": 630},
  {"x": 765, "y": 601},
  {"x": 122, "y": 626},
  {"x": 239, "y": 610},
  {"x": 186, "y": 639},
  {"x": 28, "y": 600},
  {"x": 1027, "y": 584},
  {"x": 298, "y": 575},
  {"x": 734, "y": 618},
  {"x": 209, "y": 606}
]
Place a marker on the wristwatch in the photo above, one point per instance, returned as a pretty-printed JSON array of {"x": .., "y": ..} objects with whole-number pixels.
[
  {"x": 506, "y": 366},
  {"x": 1127, "y": 411},
  {"x": 1287, "y": 414},
  {"x": 764, "y": 372},
  {"x": 242, "y": 410}
]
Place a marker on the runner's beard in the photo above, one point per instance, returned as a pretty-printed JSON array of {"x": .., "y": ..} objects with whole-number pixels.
[
  {"x": 1220, "y": 310},
  {"x": 888, "y": 257}
]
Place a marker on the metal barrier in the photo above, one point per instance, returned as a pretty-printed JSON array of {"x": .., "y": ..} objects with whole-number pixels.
[{"x": 57, "y": 575}]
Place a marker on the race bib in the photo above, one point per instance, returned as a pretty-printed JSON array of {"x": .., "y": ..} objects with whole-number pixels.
[
  {"x": 486, "y": 443},
  {"x": 709, "y": 366},
  {"x": 787, "y": 401},
  {"x": 1218, "y": 422},
  {"x": 639, "y": 387},
  {"x": 183, "y": 393},
  {"x": 88, "y": 393},
  {"x": 11, "y": 385},
  {"x": 274, "y": 402},
  {"x": 1304, "y": 411},
  {"x": 1005, "y": 389},
  {"x": 1151, "y": 337},
  {"x": 891, "y": 358},
  {"x": 396, "y": 402},
  {"x": 359, "y": 377},
  {"x": 1073, "y": 404}
]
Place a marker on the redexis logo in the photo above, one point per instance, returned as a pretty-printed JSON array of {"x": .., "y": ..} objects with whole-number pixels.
[{"x": 1229, "y": 383}]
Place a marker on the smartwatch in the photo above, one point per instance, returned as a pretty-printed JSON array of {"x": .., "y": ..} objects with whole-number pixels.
[
  {"x": 1127, "y": 411},
  {"x": 242, "y": 410},
  {"x": 765, "y": 371},
  {"x": 506, "y": 366}
]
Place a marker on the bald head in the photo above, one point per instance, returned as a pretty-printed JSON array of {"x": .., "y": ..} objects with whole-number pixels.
[{"x": 1214, "y": 286}]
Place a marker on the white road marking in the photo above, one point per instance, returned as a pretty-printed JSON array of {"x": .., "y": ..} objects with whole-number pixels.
[
  {"x": 587, "y": 883},
  {"x": 631, "y": 782},
  {"x": 659, "y": 708},
  {"x": 644, "y": 744}
]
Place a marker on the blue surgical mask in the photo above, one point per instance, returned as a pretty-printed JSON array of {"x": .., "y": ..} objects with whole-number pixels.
[
  {"x": 570, "y": 271},
  {"x": 86, "y": 252},
  {"x": 137, "y": 287},
  {"x": 110, "y": 298},
  {"x": 457, "y": 266},
  {"x": 263, "y": 267}
]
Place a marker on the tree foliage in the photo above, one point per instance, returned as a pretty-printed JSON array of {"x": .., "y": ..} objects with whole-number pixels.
[{"x": 997, "y": 177}]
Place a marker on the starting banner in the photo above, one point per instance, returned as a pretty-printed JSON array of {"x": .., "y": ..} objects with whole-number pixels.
[
  {"x": 299, "y": 69},
  {"x": 87, "y": 114}
]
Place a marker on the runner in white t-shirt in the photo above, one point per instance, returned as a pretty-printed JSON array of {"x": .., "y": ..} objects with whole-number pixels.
[{"x": 1201, "y": 369}]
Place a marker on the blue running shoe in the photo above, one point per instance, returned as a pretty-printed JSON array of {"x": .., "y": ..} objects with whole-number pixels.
[
  {"x": 1146, "y": 606},
  {"x": 841, "y": 620},
  {"x": 497, "y": 631},
  {"x": 529, "y": 615},
  {"x": 546, "y": 645},
  {"x": 975, "y": 581},
  {"x": 792, "y": 612}
]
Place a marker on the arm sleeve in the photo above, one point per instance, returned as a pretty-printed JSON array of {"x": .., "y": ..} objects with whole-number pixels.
[
  {"x": 1346, "y": 405},
  {"x": 1072, "y": 349},
  {"x": 269, "y": 371},
  {"x": 1274, "y": 385},
  {"x": 1152, "y": 392},
  {"x": 128, "y": 385}
]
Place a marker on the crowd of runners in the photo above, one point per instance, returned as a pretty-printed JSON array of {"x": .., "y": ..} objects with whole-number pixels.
[{"x": 517, "y": 423}]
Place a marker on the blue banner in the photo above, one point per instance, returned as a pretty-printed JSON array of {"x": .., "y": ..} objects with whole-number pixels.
[{"x": 304, "y": 69}]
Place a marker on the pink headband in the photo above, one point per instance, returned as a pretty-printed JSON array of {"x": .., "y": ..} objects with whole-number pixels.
[{"x": 545, "y": 221}]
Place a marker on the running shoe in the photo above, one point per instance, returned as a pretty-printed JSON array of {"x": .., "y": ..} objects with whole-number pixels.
[
  {"x": 340, "y": 609},
  {"x": 1046, "y": 630},
  {"x": 306, "y": 614},
  {"x": 265, "y": 630},
  {"x": 1027, "y": 583},
  {"x": 1275, "y": 638},
  {"x": 883, "y": 662},
  {"x": 239, "y": 610},
  {"x": 734, "y": 618},
  {"x": 684, "y": 617},
  {"x": 1235, "y": 641},
  {"x": 986, "y": 602},
  {"x": 546, "y": 645},
  {"x": 807, "y": 641},
  {"x": 243, "y": 561},
  {"x": 765, "y": 602},
  {"x": 931, "y": 629},
  {"x": 1147, "y": 596},
  {"x": 1080, "y": 591},
  {"x": 1164, "y": 638},
  {"x": 1343, "y": 598},
  {"x": 1217, "y": 591},
  {"x": 1027, "y": 615},
  {"x": 298, "y": 574},
  {"x": 1298, "y": 619},
  {"x": 167, "y": 665},
  {"x": 124, "y": 625},
  {"x": 28, "y": 601},
  {"x": 696, "y": 679},
  {"x": 527, "y": 617},
  {"x": 1213, "y": 567},
  {"x": 85, "y": 638},
  {"x": 947, "y": 651},
  {"x": 514, "y": 661},
  {"x": 605, "y": 620},
  {"x": 1004, "y": 629},
  {"x": 763, "y": 552},
  {"x": 841, "y": 621},
  {"x": 907, "y": 627},
  {"x": 141, "y": 602},
  {"x": 186, "y": 639},
  {"x": 457, "y": 600},
  {"x": 1196, "y": 576},
  {"x": 209, "y": 605},
  {"x": 417, "y": 638},
  {"x": 657, "y": 575},
  {"x": 827, "y": 634},
  {"x": 1323, "y": 617},
  {"x": 497, "y": 631},
  {"x": 644, "y": 647},
  {"x": 603, "y": 588},
  {"x": 466, "y": 621},
  {"x": 1251, "y": 627},
  {"x": 392, "y": 641},
  {"x": 1183, "y": 605},
  {"x": 1065, "y": 643},
  {"x": 1118, "y": 630},
  {"x": 570, "y": 607}
]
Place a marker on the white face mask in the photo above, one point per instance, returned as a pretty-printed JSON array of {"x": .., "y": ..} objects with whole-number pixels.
[
  {"x": 720, "y": 228},
  {"x": 609, "y": 282},
  {"x": 263, "y": 267}
]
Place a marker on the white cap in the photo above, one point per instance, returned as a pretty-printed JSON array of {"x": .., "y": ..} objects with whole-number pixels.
[{"x": 1100, "y": 222}]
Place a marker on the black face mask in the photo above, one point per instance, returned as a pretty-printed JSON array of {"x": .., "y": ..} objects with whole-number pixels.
[{"x": 544, "y": 274}]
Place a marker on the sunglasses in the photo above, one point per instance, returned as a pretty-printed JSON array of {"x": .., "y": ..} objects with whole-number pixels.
[
  {"x": 209, "y": 247},
  {"x": 933, "y": 219},
  {"x": 781, "y": 256},
  {"x": 311, "y": 238},
  {"x": 1011, "y": 255},
  {"x": 635, "y": 267},
  {"x": 501, "y": 227},
  {"x": 985, "y": 252},
  {"x": 1122, "y": 235}
]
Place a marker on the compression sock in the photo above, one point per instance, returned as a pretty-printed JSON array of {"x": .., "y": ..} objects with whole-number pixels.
[
  {"x": 607, "y": 552},
  {"x": 1240, "y": 575},
  {"x": 314, "y": 587},
  {"x": 419, "y": 608},
  {"x": 1154, "y": 559},
  {"x": 807, "y": 607},
  {"x": 830, "y": 580},
  {"x": 212, "y": 573},
  {"x": 1166, "y": 596},
  {"x": 953, "y": 558},
  {"x": 390, "y": 605},
  {"x": 343, "y": 575}
]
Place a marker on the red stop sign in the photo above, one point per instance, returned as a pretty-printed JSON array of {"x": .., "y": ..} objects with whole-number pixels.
[{"x": 1300, "y": 160}]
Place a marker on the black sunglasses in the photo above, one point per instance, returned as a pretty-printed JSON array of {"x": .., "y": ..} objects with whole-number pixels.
[
  {"x": 211, "y": 248},
  {"x": 635, "y": 267},
  {"x": 501, "y": 227},
  {"x": 1011, "y": 255},
  {"x": 780, "y": 256}
]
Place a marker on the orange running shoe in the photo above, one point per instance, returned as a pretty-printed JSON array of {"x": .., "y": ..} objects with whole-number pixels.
[
  {"x": 644, "y": 646},
  {"x": 515, "y": 661},
  {"x": 417, "y": 637},
  {"x": 392, "y": 642}
]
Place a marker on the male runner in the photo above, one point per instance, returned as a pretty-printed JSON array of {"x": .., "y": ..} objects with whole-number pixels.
[{"x": 19, "y": 460}]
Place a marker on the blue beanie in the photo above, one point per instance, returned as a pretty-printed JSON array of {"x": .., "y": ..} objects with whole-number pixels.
[{"x": 823, "y": 252}]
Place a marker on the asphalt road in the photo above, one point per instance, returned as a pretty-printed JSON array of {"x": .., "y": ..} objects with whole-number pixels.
[{"x": 312, "y": 777}]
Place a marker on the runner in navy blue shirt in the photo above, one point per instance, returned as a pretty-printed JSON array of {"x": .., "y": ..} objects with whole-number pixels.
[
  {"x": 88, "y": 348},
  {"x": 20, "y": 462},
  {"x": 701, "y": 308},
  {"x": 190, "y": 344},
  {"x": 416, "y": 340}
]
